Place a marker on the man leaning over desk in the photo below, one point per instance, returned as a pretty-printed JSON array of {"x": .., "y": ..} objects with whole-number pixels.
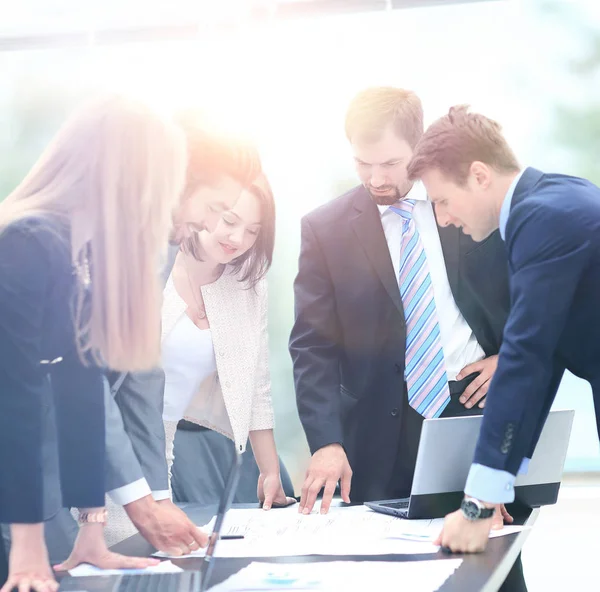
[{"x": 551, "y": 227}]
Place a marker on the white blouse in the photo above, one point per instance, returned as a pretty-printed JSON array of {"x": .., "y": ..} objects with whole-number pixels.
[{"x": 188, "y": 357}]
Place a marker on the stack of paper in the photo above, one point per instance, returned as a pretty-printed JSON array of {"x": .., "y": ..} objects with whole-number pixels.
[
  {"x": 355, "y": 530},
  {"x": 416, "y": 576}
]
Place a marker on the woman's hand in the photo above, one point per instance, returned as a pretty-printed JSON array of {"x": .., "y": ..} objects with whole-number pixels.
[
  {"x": 270, "y": 492},
  {"x": 90, "y": 547},
  {"x": 29, "y": 568}
]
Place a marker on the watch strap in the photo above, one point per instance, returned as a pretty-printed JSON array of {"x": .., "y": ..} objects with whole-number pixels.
[
  {"x": 97, "y": 517},
  {"x": 482, "y": 513}
]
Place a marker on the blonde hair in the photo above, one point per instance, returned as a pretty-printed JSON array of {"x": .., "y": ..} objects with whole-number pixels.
[
  {"x": 456, "y": 140},
  {"x": 374, "y": 109},
  {"x": 112, "y": 175}
]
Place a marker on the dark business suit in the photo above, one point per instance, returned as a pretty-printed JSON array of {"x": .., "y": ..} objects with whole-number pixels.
[
  {"x": 348, "y": 340},
  {"x": 43, "y": 385},
  {"x": 553, "y": 245}
]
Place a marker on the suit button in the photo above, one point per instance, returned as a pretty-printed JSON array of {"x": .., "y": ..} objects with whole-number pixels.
[{"x": 394, "y": 412}]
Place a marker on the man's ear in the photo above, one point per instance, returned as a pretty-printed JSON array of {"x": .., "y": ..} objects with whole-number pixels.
[{"x": 481, "y": 173}]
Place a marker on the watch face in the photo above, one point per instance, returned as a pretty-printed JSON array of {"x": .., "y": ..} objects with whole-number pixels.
[{"x": 470, "y": 510}]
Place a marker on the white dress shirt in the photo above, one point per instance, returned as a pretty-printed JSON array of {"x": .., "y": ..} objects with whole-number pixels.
[{"x": 459, "y": 343}]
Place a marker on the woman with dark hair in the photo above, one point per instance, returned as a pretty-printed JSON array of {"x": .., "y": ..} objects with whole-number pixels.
[{"x": 215, "y": 354}]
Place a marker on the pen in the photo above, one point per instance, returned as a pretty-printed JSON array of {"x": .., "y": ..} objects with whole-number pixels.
[{"x": 232, "y": 537}]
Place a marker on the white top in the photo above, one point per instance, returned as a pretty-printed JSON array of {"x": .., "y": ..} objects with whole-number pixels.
[
  {"x": 188, "y": 358},
  {"x": 459, "y": 343}
]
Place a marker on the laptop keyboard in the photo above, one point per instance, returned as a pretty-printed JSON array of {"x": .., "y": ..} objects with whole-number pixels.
[
  {"x": 400, "y": 505},
  {"x": 170, "y": 582}
]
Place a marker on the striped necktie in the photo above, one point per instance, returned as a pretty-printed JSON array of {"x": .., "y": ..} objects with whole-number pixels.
[{"x": 425, "y": 369}]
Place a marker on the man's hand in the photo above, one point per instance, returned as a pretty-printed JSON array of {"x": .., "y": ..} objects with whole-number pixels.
[
  {"x": 478, "y": 389},
  {"x": 460, "y": 535},
  {"x": 165, "y": 526},
  {"x": 501, "y": 516},
  {"x": 328, "y": 465}
]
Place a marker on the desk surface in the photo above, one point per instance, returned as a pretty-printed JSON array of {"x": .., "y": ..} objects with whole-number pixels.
[{"x": 483, "y": 572}]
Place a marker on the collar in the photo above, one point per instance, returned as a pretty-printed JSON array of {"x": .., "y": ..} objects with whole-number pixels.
[
  {"x": 505, "y": 209},
  {"x": 417, "y": 193}
]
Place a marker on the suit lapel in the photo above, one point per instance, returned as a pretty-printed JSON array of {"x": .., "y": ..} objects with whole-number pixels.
[
  {"x": 172, "y": 252},
  {"x": 527, "y": 182},
  {"x": 450, "y": 241},
  {"x": 366, "y": 223}
]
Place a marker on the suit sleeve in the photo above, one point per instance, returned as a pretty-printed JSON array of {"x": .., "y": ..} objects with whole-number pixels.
[
  {"x": 79, "y": 401},
  {"x": 125, "y": 481},
  {"x": 25, "y": 272},
  {"x": 547, "y": 256},
  {"x": 140, "y": 399},
  {"x": 136, "y": 459},
  {"x": 314, "y": 347},
  {"x": 262, "y": 404}
]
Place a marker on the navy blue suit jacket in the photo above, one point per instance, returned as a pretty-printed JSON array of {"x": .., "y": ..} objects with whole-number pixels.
[
  {"x": 36, "y": 327},
  {"x": 553, "y": 244}
]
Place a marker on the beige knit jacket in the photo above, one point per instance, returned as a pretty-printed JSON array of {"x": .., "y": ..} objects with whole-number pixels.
[{"x": 236, "y": 399}]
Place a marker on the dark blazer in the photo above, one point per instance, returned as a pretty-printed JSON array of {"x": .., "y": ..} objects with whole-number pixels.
[
  {"x": 42, "y": 378},
  {"x": 348, "y": 339},
  {"x": 553, "y": 245}
]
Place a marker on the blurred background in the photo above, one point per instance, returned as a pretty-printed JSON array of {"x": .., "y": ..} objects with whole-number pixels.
[{"x": 284, "y": 72}]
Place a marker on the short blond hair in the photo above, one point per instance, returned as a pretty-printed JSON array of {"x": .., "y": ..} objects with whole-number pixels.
[
  {"x": 453, "y": 142},
  {"x": 374, "y": 109}
]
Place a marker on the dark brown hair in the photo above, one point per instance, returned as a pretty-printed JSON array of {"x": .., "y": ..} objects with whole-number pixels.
[
  {"x": 253, "y": 265},
  {"x": 453, "y": 142}
]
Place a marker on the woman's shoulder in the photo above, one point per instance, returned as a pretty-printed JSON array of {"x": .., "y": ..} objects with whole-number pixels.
[
  {"x": 48, "y": 233},
  {"x": 41, "y": 238}
]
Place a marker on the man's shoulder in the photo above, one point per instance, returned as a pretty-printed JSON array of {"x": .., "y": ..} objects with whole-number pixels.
[
  {"x": 556, "y": 197},
  {"x": 332, "y": 210}
]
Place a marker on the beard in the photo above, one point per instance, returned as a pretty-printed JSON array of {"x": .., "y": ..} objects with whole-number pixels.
[
  {"x": 193, "y": 246},
  {"x": 390, "y": 199}
]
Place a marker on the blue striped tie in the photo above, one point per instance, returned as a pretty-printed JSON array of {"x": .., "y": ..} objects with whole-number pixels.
[{"x": 425, "y": 368}]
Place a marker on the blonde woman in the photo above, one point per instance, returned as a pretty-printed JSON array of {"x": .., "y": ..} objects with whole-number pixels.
[
  {"x": 71, "y": 305},
  {"x": 215, "y": 343}
]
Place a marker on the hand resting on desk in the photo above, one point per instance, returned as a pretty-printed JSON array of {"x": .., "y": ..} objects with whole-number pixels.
[
  {"x": 165, "y": 526},
  {"x": 460, "y": 535},
  {"x": 328, "y": 465}
]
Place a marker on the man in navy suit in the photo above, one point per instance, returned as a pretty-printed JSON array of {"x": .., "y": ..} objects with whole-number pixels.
[{"x": 551, "y": 227}]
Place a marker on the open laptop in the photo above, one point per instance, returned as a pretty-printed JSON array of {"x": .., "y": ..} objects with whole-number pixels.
[
  {"x": 445, "y": 454},
  {"x": 186, "y": 581}
]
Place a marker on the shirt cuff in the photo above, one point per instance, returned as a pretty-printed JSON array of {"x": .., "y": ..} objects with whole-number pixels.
[
  {"x": 161, "y": 495},
  {"x": 130, "y": 493},
  {"x": 490, "y": 485},
  {"x": 524, "y": 466}
]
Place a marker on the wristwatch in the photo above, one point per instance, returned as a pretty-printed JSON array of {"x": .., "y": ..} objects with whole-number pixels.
[
  {"x": 98, "y": 517},
  {"x": 473, "y": 509}
]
